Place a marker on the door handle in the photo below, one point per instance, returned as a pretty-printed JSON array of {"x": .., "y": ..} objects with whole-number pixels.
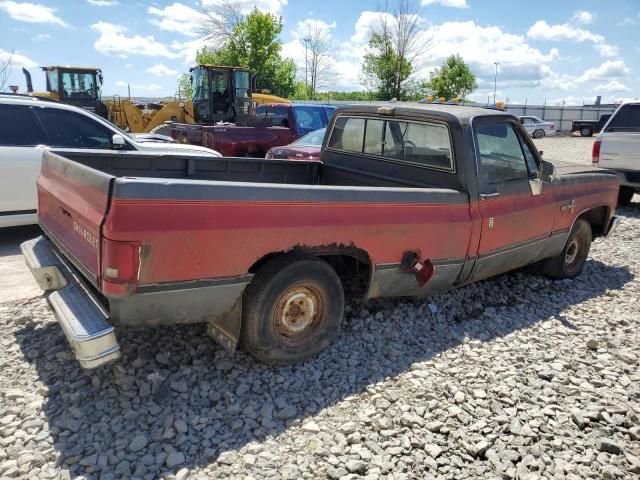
[{"x": 484, "y": 196}]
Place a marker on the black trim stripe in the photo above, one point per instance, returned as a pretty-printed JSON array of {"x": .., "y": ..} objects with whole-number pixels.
[
  {"x": 17, "y": 212},
  {"x": 186, "y": 285}
]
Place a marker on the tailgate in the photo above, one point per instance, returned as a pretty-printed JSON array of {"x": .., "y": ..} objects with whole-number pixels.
[{"x": 72, "y": 202}]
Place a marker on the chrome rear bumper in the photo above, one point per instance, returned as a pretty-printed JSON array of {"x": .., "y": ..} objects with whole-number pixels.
[{"x": 82, "y": 318}]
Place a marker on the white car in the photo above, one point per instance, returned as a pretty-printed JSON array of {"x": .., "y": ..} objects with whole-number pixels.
[
  {"x": 537, "y": 127},
  {"x": 617, "y": 147},
  {"x": 29, "y": 125}
]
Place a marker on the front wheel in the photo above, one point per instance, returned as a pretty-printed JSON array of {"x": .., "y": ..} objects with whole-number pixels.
[
  {"x": 570, "y": 262},
  {"x": 538, "y": 134},
  {"x": 586, "y": 132},
  {"x": 293, "y": 309},
  {"x": 624, "y": 196}
]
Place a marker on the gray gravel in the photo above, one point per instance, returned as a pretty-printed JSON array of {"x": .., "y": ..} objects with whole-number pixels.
[{"x": 517, "y": 377}]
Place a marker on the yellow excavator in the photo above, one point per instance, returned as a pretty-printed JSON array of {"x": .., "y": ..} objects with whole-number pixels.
[
  {"x": 220, "y": 94},
  {"x": 79, "y": 86}
]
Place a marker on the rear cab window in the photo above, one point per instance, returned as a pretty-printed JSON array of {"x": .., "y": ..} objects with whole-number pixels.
[
  {"x": 421, "y": 144},
  {"x": 277, "y": 115},
  {"x": 627, "y": 119}
]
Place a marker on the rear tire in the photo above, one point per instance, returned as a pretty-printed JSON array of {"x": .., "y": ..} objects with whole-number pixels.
[
  {"x": 293, "y": 309},
  {"x": 570, "y": 262},
  {"x": 538, "y": 134},
  {"x": 586, "y": 132},
  {"x": 625, "y": 196}
]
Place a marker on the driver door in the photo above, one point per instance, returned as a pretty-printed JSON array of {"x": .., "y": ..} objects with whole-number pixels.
[{"x": 516, "y": 218}]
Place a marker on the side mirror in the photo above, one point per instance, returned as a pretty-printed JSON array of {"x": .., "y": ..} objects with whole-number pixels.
[
  {"x": 547, "y": 171},
  {"x": 118, "y": 142},
  {"x": 540, "y": 152}
]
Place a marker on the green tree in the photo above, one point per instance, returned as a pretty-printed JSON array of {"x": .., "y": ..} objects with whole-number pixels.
[
  {"x": 253, "y": 43},
  {"x": 453, "y": 79},
  {"x": 184, "y": 84},
  {"x": 393, "y": 45},
  {"x": 381, "y": 68}
]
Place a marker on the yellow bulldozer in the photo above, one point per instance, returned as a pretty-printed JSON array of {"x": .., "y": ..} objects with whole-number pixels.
[{"x": 220, "y": 94}]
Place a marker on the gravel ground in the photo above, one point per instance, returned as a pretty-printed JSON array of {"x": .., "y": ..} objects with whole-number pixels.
[
  {"x": 572, "y": 148},
  {"x": 517, "y": 377}
]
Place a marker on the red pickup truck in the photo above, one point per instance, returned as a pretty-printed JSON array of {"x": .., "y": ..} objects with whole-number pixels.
[
  {"x": 274, "y": 125},
  {"x": 411, "y": 201}
]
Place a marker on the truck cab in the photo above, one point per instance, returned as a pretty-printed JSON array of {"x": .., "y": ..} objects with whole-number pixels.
[
  {"x": 220, "y": 94},
  {"x": 617, "y": 148},
  {"x": 77, "y": 86}
]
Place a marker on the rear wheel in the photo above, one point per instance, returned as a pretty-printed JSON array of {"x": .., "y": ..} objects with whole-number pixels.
[
  {"x": 538, "y": 134},
  {"x": 625, "y": 195},
  {"x": 586, "y": 132},
  {"x": 293, "y": 309},
  {"x": 570, "y": 262}
]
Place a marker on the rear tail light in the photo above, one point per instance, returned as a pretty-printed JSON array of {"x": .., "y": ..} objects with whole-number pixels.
[
  {"x": 595, "y": 153},
  {"x": 553, "y": 127},
  {"x": 120, "y": 261}
]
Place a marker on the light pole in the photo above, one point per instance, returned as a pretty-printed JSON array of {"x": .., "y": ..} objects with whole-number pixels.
[{"x": 495, "y": 82}]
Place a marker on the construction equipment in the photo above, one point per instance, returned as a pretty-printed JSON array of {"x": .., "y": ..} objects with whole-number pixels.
[
  {"x": 220, "y": 94},
  {"x": 79, "y": 86}
]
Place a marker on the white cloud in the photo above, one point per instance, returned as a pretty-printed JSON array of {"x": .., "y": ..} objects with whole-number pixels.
[
  {"x": 607, "y": 70},
  {"x": 41, "y": 37},
  {"x": 161, "y": 70},
  {"x": 612, "y": 86},
  {"x": 114, "y": 41},
  {"x": 584, "y": 17},
  {"x": 178, "y": 18},
  {"x": 187, "y": 50},
  {"x": 103, "y": 3},
  {"x": 446, "y": 3},
  {"x": 541, "y": 30},
  {"x": 630, "y": 21},
  {"x": 17, "y": 60},
  {"x": 152, "y": 87},
  {"x": 295, "y": 48},
  {"x": 606, "y": 50},
  {"x": 272, "y": 6},
  {"x": 31, "y": 13}
]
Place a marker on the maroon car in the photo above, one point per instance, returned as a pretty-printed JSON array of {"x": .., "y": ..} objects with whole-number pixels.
[{"x": 305, "y": 148}]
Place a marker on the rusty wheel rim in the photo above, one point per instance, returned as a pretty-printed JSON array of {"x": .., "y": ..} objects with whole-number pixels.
[
  {"x": 572, "y": 253},
  {"x": 298, "y": 311}
]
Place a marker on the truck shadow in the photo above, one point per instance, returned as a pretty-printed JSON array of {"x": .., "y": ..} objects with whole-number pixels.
[{"x": 183, "y": 393}]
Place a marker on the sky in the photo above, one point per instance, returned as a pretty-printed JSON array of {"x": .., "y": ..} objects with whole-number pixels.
[{"x": 547, "y": 50}]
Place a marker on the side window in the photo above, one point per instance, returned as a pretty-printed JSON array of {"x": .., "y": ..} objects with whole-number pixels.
[
  {"x": 347, "y": 135},
  {"x": 626, "y": 120},
  {"x": 73, "y": 130},
  {"x": 501, "y": 157},
  {"x": 373, "y": 137},
  {"x": 424, "y": 144},
  {"x": 19, "y": 128}
]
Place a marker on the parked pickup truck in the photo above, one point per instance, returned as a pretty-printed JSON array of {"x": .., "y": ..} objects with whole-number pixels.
[
  {"x": 409, "y": 201},
  {"x": 617, "y": 147},
  {"x": 588, "y": 127},
  {"x": 274, "y": 125}
]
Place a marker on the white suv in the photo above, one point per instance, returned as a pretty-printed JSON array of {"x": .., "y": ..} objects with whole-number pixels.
[
  {"x": 29, "y": 125},
  {"x": 617, "y": 147}
]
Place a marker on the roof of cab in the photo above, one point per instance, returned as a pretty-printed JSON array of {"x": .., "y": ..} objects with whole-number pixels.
[{"x": 458, "y": 112}]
